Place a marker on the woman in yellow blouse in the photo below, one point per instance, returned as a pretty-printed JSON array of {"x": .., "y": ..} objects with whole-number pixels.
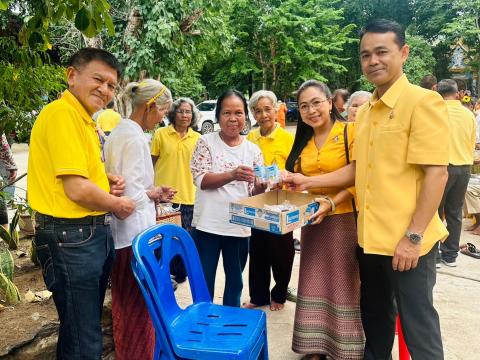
[
  {"x": 327, "y": 316},
  {"x": 172, "y": 148},
  {"x": 269, "y": 251}
]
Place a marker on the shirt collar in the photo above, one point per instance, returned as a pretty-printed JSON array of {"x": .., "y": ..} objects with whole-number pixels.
[
  {"x": 392, "y": 95},
  {"x": 258, "y": 135},
  {"x": 453, "y": 103},
  {"x": 171, "y": 131},
  {"x": 68, "y": 97}
]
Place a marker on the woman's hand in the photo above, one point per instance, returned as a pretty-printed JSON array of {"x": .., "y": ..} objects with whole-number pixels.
[
  {"x": 243, "y": 173},
  {"x": 161, "y": 193},
  {"x": 324, "y": 208},
  {"x": 294, "y": 181}
]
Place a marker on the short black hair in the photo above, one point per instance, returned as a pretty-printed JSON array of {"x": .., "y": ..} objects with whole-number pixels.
[
  {"x": 428, "y": 81},
  {"x": 382, "y": 26},
  {"x": 226, "y": 94},
  {"x": 86, "y": 55},
  {"x": 462, "y": 86},
  {"x": 343, "y": 93},
  {"x": 447, "y": 87}
]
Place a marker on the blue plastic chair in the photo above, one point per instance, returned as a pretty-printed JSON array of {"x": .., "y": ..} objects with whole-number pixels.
[{"x": 203, "y": 330}]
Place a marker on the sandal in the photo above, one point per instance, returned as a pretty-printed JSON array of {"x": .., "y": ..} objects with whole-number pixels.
[{"x": 471, "y": 250}]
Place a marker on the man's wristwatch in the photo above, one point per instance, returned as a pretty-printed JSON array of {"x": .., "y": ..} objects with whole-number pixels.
[{"x": 415, "y": 238}]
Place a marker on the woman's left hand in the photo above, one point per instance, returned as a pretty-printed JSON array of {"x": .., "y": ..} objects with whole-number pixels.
[
  {"x": 324, "y": 208},
  {"x": 166, "y": 193}
]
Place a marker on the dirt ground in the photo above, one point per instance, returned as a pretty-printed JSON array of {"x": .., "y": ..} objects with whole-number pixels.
[{"x": 24, "y": 320}]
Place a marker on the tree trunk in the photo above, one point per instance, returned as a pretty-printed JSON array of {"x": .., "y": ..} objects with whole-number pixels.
[{"x": 94, "y": 42}]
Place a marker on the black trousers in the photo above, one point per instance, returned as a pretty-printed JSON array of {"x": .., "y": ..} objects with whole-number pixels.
[
  {"x": 452, "y": 205},
  {"x": 177, "y": 267},
  {"x": 383, "y": 291},
  {"x": 269, "y": 251}
]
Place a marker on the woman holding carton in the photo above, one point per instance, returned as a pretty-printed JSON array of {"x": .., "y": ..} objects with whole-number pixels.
[
  {"x": 222, "y": 169},
  {"x": 327, "y": 316}
]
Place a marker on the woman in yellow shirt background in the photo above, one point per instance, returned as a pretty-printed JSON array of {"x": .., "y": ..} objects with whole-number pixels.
[
  {"x": 269, "y": 251},
  {"x": 172, "y": 148},
  {"x": 327, "y": 316}
]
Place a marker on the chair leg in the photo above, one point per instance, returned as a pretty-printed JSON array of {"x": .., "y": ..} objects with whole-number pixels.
[{"x": 265, "y": 346}]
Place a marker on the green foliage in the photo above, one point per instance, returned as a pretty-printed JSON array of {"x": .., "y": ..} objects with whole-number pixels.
[
  {"x": 420, "y": 61},
  {"x": 89, "y": 16},
  {"x": 6, "y": 261},
  {"x": 27, "y": 83},
  {"x": 279, "y": 44},
  {"x": 7, "y": 287},
  {"x": 169, "y": 40},
  {"x": 10, "y": 236}
]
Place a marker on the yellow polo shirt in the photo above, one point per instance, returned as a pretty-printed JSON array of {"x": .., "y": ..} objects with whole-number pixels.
[
  {"x": 63, "y": 141},
  {"x": 405, "y": 128},
  {"x": 173, "y": 165},
  {"x": 462, "y": 133},
  {"x": 108, "y": 119},
  {"x": 275, "y": 146},
  {"x": 330, "y": 157}
]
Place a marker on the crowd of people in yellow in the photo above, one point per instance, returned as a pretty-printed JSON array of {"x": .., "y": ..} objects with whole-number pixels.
[{"x": 377, "y": 163}]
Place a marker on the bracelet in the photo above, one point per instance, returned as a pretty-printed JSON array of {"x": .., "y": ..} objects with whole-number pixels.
[{"x": 332, "y": 204}]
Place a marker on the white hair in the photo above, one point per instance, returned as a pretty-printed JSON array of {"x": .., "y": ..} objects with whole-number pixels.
[
  {"x": 252, "y": 103},
  {"x": 139, "y": 93},
  {"x": 358, "y": 94}
]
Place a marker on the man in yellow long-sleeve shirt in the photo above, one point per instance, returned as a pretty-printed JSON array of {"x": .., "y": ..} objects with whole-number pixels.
[{"x": 462, "y": 144}]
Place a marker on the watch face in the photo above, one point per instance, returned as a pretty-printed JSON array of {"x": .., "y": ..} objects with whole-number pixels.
[{"x": 415, "y": 238}]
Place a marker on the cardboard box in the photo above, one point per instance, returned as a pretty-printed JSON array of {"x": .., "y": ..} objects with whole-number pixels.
[{"x": 251, "y": 212}]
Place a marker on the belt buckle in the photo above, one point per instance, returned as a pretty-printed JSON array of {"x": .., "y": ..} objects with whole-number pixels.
[{"x": 108, "y": 219}]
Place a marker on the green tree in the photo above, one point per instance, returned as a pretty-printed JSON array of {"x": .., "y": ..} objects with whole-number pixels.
[
  {"x": 27, "y": 83},
  {"x": 278, "y": 44},
  {"x": 89, "y": 16},
  {"x": 420, "y": 61}
]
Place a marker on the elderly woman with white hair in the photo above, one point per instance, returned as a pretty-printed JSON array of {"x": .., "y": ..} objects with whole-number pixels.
[
  {"x": 127, "y": 153},
  {"x": 357, "y": 99},
  {"x": 172, "y": 148},
  {"x": 267, "y": 250}
]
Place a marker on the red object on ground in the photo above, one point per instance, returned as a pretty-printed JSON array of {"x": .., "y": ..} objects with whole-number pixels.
[{"x": 403, "y": 353}]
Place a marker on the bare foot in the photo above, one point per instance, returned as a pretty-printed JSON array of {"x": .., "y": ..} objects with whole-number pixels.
[
  {"x": 274, "y": 306},
  {"x": 249, "y": 305},
  {"x": 313, "y": 357},
  {"x": 476, "y": 231}
]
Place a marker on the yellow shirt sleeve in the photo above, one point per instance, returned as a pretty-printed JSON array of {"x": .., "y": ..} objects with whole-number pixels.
[
  {"x": 68, "y": 155},
  {"x": 156, "y": 143},
  {"x": 429, "y": 133}
]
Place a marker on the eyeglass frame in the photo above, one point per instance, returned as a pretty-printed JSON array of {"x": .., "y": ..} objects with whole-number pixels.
[
  {"x": 304, "y": 108},
  {"x": 186, "y": 112}
]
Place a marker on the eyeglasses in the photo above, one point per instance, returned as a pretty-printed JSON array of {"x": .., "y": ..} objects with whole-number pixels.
[
  {"x": 186, "y": 112},
  {"x": 315, "y": 104}
]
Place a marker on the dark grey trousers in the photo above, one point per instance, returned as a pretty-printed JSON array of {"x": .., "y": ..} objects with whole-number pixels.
[
  {"x": 451, "y": 206},
  {"x": 383, "y": 291}
]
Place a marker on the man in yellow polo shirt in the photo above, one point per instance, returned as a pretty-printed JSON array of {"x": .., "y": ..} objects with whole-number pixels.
[
  {"x": 400, "y": 170},
  {"x": 107, "y": 119},
  {"x": 72, "y": 195},
  {"x": 462, "y": 145}
]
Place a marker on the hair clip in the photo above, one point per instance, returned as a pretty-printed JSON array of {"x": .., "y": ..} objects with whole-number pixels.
[{"x": 160, "y": 93}]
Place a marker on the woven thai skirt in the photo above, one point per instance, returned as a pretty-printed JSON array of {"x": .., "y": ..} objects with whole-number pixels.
[
  {"x": 327, "y": 315},
  {"x": 133, "y": 331}
]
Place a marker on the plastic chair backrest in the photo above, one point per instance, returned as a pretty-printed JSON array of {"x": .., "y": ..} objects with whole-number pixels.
[
  {"x": 163, "y": 348},
  {"x": 153, "y": 249}
]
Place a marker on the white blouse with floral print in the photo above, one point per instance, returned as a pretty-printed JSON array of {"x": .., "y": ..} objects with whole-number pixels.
[{"x": 212, "y": 155}]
